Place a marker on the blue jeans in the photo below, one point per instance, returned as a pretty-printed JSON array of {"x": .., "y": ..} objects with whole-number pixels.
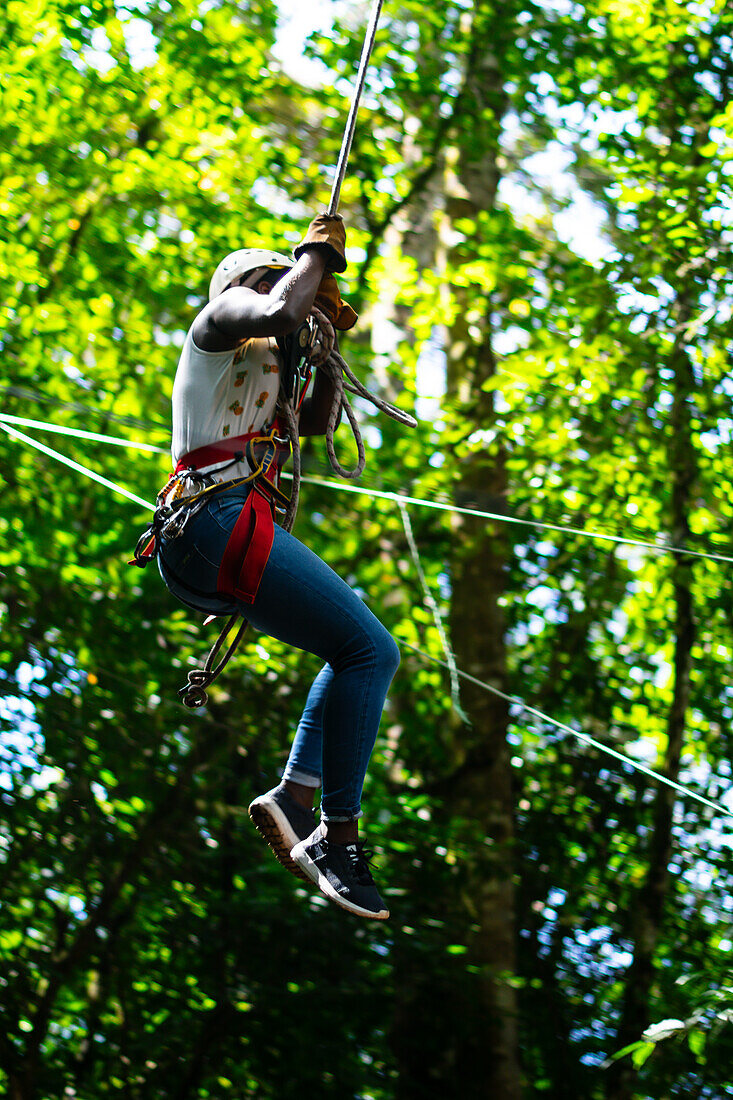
[{"x": 302, "y": 602}]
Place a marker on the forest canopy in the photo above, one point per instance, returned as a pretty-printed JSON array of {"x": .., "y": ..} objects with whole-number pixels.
[{"x": 539, "y": 206}]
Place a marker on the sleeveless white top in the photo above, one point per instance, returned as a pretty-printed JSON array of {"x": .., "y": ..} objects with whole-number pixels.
[{"x": 217, "y": 394}]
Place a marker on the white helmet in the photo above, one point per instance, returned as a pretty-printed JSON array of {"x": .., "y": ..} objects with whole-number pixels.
[{"x": 240, "y": 262}]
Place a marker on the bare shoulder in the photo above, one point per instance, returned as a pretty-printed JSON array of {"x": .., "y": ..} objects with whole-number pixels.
[{"x": 232, "y": 317}]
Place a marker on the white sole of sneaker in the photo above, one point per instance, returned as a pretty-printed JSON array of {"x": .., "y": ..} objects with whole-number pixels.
[
  {"x": 306, "y": 864},
  {"x": 273, "y": 826}
]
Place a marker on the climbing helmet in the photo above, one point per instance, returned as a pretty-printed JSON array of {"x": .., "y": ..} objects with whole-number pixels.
[{"x": 242, "y": 261}]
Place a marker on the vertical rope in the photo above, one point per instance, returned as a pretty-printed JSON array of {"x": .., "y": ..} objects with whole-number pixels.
[
  {"x": 351, "y": 120},
  {"x": 455, "y": 695}
]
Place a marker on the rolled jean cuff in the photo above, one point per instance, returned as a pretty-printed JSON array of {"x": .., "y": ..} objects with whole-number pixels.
[
  {"x": 334, "y": 818},
  {"x": 298, "y": 775}
]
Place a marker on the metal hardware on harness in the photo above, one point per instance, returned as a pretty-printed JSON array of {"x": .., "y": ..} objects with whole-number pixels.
[
  {"x": 193, "y": 693},
  {"x": 173, "y": 510},
  {"x": 295, "y": 372}
]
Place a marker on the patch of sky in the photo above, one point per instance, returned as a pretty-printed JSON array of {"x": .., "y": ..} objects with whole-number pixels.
[
  {"x": 296, "y": 23},
  {"x": 22, "y": 741},
  {"x": 98, "y": 55},
  {"x": 511, "y": 340},
  {"x": 430, "y": 377},
  {"x": 580, "y": 221},
  {"x": 372, "y": 435},
  {"x": 595, "y": 954},
  {"x": 275, "y": 200},
  {"x": 542, "y": 597},
  {"x": 68, "y": 902},
  {"x": 141, "y": 43}
]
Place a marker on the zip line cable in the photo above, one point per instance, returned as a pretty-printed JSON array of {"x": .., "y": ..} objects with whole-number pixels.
[
  {"x": 75, "y": 465},
  {"x": 96, "y": 436},
  {"x": 512, "y": 700},
  {"x": 586, "y": 738},
  {"x": 382, "y": 494},
  {"x": 564, "y": 528}
]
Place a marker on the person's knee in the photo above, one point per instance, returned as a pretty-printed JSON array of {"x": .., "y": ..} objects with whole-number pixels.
[{"x": 388, "y": 654}]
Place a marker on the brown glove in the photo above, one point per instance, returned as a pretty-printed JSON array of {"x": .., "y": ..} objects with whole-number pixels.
[
  {"x": 329, "y": 299},
  {"x": 326, "y": 233}
]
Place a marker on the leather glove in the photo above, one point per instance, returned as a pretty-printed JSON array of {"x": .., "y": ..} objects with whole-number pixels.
[
  {"x": 329, "y": 299},
  {"x": 326, "y": 233}
]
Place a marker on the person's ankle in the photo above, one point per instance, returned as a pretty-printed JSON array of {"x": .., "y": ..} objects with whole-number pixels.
[
  {"x": 342, "y": 832},
  {"x": 304, "y": 796}
]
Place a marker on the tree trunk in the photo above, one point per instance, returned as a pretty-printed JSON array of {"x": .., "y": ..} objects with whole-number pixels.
[
  {"x": 648, "y": 915},
  {"x": 468, "y": 1014}
]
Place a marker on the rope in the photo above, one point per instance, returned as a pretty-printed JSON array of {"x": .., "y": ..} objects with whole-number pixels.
[
  {"x": 377, "y": 494},
  {"x": 335, "y": 368},
  {"x": 381, "y": 494},
  {"x": 193, "y": 693},
  {"x": 351, "y": 120},
  {"x": 96, "y": 436},
  {"x": 455, "y": 694},
  {"x": 76, "y": 466},
  {"x": 523, "y": 707},
  {"x": 288, "y": 410},
  {"x": 586, "y": 738}
]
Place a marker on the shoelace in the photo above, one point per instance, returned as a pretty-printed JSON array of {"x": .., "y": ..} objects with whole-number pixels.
[{"x": 359, "y": 858}]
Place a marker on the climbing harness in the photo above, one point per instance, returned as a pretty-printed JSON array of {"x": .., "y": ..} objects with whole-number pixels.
[
  {"x": 248, "y": 548},
  {"x": 250, "y": 542}
]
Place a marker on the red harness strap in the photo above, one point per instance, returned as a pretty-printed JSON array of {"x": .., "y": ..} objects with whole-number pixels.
[
  {"x": 248, "y": 549},
  {"x": 249, "y": 545},
  {"x": 224, "y": 450}
]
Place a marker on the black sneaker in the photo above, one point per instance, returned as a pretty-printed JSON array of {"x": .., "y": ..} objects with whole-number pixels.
[
  {"x": 282, "y": 822},
  {"x": 341, "y": 872}
]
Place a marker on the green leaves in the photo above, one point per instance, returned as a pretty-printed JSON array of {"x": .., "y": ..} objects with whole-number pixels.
[{"x": 142, "y": 930}]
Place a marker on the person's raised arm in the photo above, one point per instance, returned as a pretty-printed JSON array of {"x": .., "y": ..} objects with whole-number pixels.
[{"x": 240, "y": 312}]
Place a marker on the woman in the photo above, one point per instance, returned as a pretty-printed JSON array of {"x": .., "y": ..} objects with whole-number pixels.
[{"x": 225, "y": 394}]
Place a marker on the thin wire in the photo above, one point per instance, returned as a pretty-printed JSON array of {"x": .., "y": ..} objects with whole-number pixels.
[
  {"x": 76, "y": 466},
  {"x": 565, "y": 528},
  {"x": 575, "y": 733},
  {"x": 455, "y": 693},
  {"x": 96, "y": 436},
  {"x": 465, "y": 675},
  {"x": 382, "y": 494}
]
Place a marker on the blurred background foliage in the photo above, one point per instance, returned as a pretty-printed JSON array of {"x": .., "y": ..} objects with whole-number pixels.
[{"x": 539, "y": 215}]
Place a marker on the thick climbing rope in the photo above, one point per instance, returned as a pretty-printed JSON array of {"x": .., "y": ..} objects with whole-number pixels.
[{"x": 336, "y": 368}]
